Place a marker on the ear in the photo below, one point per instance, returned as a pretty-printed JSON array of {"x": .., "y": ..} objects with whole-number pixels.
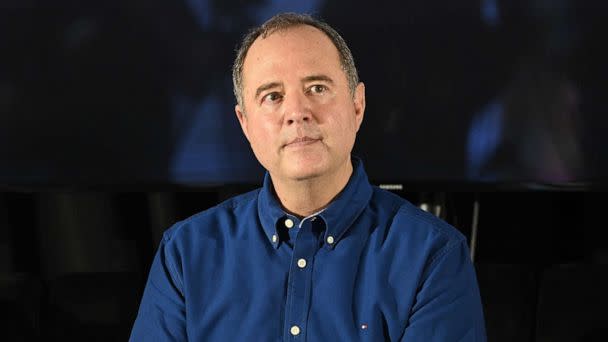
[
  {"x": 240, "y": 114},
  {"x": 359, "y": 100}
]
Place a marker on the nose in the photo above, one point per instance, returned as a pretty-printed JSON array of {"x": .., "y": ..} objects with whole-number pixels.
[{"x": 297, "y": 109}]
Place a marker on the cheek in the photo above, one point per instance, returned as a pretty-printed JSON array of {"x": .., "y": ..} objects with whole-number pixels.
[
  {"x": 343, "y": 122},
  {"x": 264, "y": 134},
  {"x": 349, "y": 131}
]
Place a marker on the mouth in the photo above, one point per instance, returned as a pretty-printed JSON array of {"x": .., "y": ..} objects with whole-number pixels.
[{"x": 302, "y": 141}]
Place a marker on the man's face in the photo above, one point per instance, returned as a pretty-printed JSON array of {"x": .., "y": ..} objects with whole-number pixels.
[{"x": 299, "y": 114}]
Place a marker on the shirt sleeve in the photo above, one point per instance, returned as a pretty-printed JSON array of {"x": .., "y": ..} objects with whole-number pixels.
[
  {"x": 162, "y": 315},
  {"x": 448, "y": 305}
]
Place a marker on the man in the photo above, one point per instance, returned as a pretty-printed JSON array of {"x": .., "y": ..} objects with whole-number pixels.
[{"x": 316, "y": 254}]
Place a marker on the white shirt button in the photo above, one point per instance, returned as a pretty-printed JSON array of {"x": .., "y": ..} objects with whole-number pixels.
[
  {"x": 274, "y": 238},
  {"x": 301, "y": 263},
  {"x": 295, "y": 330},
  {"x": 330, "y": 239},
  {"x": 288, "y": 223}
]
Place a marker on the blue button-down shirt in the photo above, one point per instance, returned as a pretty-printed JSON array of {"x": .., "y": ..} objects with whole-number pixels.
[{"x": 370, "y": 267}]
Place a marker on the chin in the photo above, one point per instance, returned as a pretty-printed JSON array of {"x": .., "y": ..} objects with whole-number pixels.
[{"x": 304, "y": 171}]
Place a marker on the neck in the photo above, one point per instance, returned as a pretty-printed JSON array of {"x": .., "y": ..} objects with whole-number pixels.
[{"x": 306, "y": 197}]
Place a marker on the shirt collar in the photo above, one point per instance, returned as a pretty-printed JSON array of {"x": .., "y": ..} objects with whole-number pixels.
[{"x": 338, "y": 216}]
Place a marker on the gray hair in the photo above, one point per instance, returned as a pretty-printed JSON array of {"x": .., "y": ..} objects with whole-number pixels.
[{"x": 284, "y": 21}]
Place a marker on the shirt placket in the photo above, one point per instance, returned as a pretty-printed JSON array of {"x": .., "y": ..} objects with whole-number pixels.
[{"x": 300, "y": 284}]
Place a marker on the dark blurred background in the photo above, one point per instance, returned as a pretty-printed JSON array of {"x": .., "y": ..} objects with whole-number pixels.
[{"x": 117, "y": 120}]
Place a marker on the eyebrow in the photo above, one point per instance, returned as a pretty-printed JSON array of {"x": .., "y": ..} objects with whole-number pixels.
[{"x": 313, "y": 78}]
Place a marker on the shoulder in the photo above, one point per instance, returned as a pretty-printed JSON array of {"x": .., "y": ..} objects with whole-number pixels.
[
  {"x": 215, "y": 221},
  {"x": 413, "y": 227}
]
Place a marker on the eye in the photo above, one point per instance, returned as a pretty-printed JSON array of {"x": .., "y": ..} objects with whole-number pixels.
[
  {"x": 272, "y": 97},
  {"x": 318, "y": 89}
]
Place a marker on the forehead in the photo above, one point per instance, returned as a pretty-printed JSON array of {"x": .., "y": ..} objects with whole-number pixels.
[{"x": 297, "y": 50}]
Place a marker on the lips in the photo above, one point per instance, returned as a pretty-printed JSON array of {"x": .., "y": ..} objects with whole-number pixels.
[{"x": 301, "y": 141}]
